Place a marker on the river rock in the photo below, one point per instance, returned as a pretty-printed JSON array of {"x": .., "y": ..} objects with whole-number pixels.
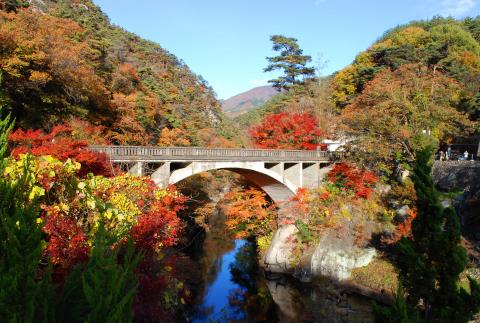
[
  {"x": 278, "y": 256},
  {"x": 336, "y": 258},
  {"x": 333, "y": 257}
]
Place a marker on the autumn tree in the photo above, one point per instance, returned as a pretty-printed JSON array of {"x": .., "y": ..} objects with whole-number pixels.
[
  {"x": 248, "y": 212},
  {"x": 60, "y": 144},
  {"x": 287, "y": 131},
  {"x": 431, "y": 260},
  {"x": 46, "y": 69},
  {"x": 291, "y": 61},
  {"x": 389, "y": 119},
  {"x": 442, "y": 44}
]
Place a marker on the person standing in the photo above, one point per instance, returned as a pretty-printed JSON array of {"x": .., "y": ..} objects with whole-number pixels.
[{"x": 465, "y": 154}]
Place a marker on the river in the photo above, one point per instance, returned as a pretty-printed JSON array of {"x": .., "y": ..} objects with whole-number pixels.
[{"x": 234, "y": 288}]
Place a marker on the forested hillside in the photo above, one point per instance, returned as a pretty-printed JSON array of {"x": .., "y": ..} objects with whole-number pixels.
[
  {"x": 445, "y": 45},
  {"x": 423, "y": 76},
  {"x": 63, "y": 61}
]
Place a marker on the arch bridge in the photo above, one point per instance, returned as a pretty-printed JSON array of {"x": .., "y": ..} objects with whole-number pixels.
[{"x": 278, "y": 172}]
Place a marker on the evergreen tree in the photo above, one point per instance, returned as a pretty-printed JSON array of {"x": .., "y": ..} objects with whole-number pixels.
[
  {"x": 431, "y": 260},
  {"x": 291, "y": 60},
  {"x": 109, "y": 286},
  {"x": 22, "y": 294},
  {"x": 103, "y": 289},
  {"x": 100, "y": 291}
]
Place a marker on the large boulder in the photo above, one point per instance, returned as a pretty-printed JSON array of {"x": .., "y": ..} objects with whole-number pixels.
[
  {"x": 332, "y": 257},
  {"x": 336, "y": 258},
  {"x": 278, "y": 256}
]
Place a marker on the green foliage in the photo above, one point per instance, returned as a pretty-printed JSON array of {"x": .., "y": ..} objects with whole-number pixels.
[
  {"x": 13, "y": 5},
  {"x": 291, "y": 61},
  {"x": 22, "y": 295},
  {"x": 103, "y": 289},
  {"x": 109, "y": 287},
  {"x": 430, "y": 262},
  {"x": 403, "y": 314},
  {"x": 304, "y": 232},
  {"x": 6, "y": 126}
]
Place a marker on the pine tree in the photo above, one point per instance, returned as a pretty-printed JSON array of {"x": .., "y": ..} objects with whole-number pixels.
[
  {"x": 291, "y": 60},
  {"x": 431, "y": 260}
]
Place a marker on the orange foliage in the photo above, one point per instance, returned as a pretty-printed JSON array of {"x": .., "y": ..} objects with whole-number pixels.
[
  {"x": 128, "y": 129},
  {"x": 248, "y": 212},
  {"x": 41, "y": 55},
  {"x": 209, "y": 138},
  {"x": 403, "y": 229},
  {"x": 173, "y": 137}
]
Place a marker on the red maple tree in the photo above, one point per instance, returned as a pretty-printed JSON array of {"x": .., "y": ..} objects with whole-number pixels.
[
  {"x": 349, "y": 177},
  {"x": 288, "y": 131},
  {"x": 60, "y": 144}
]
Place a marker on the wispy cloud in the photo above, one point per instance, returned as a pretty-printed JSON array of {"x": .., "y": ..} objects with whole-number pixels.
[
  {"x": 319, "y": 2},
  {"x": 456, "y": 7}
]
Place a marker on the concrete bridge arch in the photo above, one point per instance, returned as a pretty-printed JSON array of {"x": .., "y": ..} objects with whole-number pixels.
[
  {"x": 278, "y": 188},
  {"x": 280, "y": 173}
]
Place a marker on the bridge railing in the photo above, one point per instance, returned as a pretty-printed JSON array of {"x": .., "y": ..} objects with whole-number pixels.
[{"x": 200, "y": 153}]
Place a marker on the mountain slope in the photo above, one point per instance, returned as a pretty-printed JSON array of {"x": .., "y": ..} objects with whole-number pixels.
[
  {"x": 444, "y": 45},
  {"x": 64, "y": 59},
  {"x": 246, "y": 101}
]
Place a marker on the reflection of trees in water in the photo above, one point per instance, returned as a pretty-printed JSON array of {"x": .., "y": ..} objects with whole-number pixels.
[
  {"x": 251, "y": 301},
  {"x": 206, "y": 261}
]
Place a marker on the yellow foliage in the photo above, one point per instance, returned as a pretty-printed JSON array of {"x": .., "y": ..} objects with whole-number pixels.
[
  {"x": 344, "y": 85},
  {"x": 415, "y": 36}
]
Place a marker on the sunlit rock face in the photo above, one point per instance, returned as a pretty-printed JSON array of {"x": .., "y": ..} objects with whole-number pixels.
[
  {"x": 332, "y": 257},
  {"x": 336, "y": 258},
  {"x": 278, "y": 257}
]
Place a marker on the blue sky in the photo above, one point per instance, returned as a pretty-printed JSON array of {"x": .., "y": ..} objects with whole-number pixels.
[{"x": 226, "y": 41}]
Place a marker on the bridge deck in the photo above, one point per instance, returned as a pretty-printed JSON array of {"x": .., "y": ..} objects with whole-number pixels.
[{"x": 152, "y": 154}]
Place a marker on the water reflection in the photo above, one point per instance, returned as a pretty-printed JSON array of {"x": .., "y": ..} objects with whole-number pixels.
[
  {"x": 239, "y": 293},
  {"x": 230, "y": 287}
]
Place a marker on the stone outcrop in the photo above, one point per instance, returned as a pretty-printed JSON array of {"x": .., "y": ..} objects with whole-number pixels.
[
  {"x": 332, "y": 257},
  {"x": 457, "y": 175},
  {"x": 278, "y": 258},
  {"x": 463, "y": 177},
  {"x": 336, "y": 258}
]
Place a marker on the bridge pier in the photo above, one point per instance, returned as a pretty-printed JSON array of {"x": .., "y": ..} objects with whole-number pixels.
[
  {"x": 293, "y": 173},
  {"x": 136, "y": 169},
  {"x": 162, "y": 175}
]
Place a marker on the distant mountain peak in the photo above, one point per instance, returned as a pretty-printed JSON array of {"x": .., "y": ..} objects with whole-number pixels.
[{"x": 249, "y": 100}]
